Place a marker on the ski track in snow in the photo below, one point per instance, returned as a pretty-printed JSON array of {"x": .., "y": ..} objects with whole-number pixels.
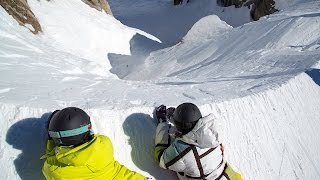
[{"x": 251, "y": 78}]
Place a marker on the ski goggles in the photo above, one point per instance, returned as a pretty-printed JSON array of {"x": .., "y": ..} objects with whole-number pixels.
[{"x": 71, "y": 132}]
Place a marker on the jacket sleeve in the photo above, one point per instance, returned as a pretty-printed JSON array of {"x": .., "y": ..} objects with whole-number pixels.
[
  {"x": 50, "y": 160},
  {"x": 49, "y": 149},
  {"x": 173, "y": 157},
  {"x": 121, "y": 171},
  {"x": 162, "y": 140},
  {"x": 50, "y": 145}
]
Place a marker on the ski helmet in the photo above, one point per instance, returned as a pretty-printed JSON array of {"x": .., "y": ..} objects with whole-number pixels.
[
  {"x": 70, "y": 126},
  {"x": 186, "y": 116}
]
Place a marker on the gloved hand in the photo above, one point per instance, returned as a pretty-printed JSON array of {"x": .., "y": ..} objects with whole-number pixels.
[
  {"x": 170, "y": 112},
  {"x": 161, "y": 113},
  {"x": 164, "y": 114}
]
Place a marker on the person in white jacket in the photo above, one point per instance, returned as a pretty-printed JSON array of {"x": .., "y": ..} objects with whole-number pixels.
[{"x": 194, "y": 151}]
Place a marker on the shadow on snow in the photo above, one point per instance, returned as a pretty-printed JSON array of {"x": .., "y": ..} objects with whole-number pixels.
[
  {"x": 315, "y": 75},
  {"x": 162, "y": 19},
  {"x": 29, "y": 136},
  {"x": 140, "y": 48},
  {"x": 141, "y": 130}
]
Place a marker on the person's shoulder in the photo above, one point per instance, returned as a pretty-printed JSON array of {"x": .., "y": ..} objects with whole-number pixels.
[
  {"x": 180, "y": 145},
  {"x": 208, "y": 117},
  {"x": 102, "y": 138},
  {"x": 176, "y": 149}
]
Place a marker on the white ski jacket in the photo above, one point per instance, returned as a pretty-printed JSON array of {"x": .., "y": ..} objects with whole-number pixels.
[{"x": 195, "y": 155}]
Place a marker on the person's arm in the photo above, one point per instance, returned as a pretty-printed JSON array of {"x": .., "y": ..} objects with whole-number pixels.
[
  {"x": 49, "y": 149},
  {"x": 166, "y": 152},
  {"x": 162, "y": 140},
  {"x": 50, "y": 146},
  {"x": 173, "y": 158},
  {"x": 122, "y": 172}
]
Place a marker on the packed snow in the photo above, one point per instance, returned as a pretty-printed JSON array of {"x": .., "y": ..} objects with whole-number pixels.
[{"x": 259, "y": 79}]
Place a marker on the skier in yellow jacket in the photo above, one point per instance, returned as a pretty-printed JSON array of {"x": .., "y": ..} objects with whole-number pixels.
[{"x": 74, "y": 152}]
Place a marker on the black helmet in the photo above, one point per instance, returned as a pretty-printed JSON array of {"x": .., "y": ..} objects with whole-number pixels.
[
  {"x": 186, "y": 116},
  {"x": 70, "y": 127}
]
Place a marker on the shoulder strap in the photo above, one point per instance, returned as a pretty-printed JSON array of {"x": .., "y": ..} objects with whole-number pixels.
[{"x": 197, "y": 157}]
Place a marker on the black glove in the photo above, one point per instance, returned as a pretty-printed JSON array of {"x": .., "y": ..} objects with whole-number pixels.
[
  {"x": 161, "y": 113},
  {"x": 170, "y": 112}
]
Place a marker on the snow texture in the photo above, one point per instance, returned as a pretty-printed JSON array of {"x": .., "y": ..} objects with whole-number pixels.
[{"x": 260, "y": 80}]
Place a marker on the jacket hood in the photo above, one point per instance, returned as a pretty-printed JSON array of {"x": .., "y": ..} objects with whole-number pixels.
[{"x": 204, "y": 134}]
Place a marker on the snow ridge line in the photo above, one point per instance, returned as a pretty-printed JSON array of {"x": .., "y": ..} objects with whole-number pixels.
[
  {"x": 254, "y": 129},
  {"x": 259, "y": 127}
]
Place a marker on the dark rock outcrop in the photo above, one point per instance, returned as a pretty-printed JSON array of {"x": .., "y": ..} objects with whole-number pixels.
[
  {"x": 258, "y": 8},
  {"x": 99, "y": 5},
  {"x": 21, "y": 12},
  {"x": 261, "y": 8},
  {"x": 226, "y": 3}
]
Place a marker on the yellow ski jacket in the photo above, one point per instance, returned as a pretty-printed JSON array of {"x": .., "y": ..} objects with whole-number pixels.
[{"x": 91, "y": 160}]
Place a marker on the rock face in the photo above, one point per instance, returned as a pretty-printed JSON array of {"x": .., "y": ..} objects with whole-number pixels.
[
  {"x": 99, "y": 5},
  {"x": 226, "y": 3},
  {"x": 21, "y": 12},
  {"x": 259, "y": 8}
]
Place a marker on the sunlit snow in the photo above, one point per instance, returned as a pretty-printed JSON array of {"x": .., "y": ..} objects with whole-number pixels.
[{"x": 259, "y": 79}]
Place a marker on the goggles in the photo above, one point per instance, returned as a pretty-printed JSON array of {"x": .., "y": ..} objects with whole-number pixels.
[{"x": 71, "y": 132}]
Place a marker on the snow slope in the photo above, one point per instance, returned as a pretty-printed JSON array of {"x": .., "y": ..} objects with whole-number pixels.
[
  {"x": 170, "y": 23},
  {"x": 252, "y": 78},
  {"x": 280, "y": 4}
]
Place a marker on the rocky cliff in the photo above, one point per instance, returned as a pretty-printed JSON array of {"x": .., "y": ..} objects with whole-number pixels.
[
  {"x": 20, "y": 11},
  {"x": 258, "y": 8},
  {"x": 99, "y": 5}
]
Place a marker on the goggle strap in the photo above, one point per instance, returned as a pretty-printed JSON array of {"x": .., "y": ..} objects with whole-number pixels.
[{"x": 71, "y": 132}]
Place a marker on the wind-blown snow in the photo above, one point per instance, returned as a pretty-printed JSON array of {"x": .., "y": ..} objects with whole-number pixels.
[
  {"x": 280, "y": 4},
  {"x": 252, "y": 78},
  {"x": 65, "y": 31}
]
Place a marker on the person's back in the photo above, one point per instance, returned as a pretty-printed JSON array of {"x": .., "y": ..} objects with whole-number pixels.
[
  {"x": 196, "y": 153},
  {"x": 91, "y": 158}
]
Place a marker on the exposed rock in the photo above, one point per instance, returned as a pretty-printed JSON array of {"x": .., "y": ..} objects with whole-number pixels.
[
  {"x": 99, "y": 5},
  {"x": 259, "y": 8},
  {"x": 226, "y": 3},
  {"x": 21, "y": 12},
  {"x": 178, "y": 2}
]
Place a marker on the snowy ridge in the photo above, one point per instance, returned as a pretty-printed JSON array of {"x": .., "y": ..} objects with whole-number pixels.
[
  {"x": 285, "y": 43},
  {"x": 241, "y": 61},
  {"x": 82, "y": 31},
  {"x": 276, "y": 131},
  {"x": 280, "y": 4},
  {"x": 260, "y": 142}
]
